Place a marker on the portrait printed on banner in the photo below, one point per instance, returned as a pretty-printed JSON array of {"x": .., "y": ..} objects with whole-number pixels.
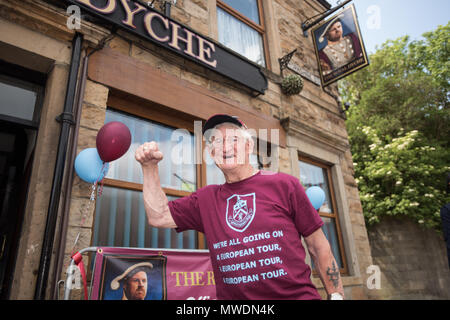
[
  {"x": 339, "y": 46},
  {"x": 133, "y": 278}
]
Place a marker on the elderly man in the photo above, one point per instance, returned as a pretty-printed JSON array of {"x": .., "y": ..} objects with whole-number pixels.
[{"x": 253, "y": 222}]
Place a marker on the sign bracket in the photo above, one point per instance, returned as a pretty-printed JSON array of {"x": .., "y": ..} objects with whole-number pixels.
[
  {"x": 308, "y": 25},
  {"x": 284, "y": 61}
]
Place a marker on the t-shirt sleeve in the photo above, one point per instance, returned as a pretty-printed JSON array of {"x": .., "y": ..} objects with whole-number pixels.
[
  {"x": 186, "y": 213},
  {"x": 306, "y": 218}
]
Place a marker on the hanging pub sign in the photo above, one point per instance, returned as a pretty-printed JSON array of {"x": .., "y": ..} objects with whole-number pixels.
[
  {"x": 339, "y": 46},
  {"x": 155, "y": 27}
]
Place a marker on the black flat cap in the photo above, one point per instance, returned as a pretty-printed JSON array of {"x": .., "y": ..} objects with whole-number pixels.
[{"x": 221, "y": 118}]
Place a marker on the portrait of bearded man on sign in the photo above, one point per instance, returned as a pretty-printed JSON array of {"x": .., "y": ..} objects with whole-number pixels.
[
  {"x": 339, "y": 46},
  {"x": 123, "y": 277},
  {"x": 340, "y": 49},
  {"x": 134, "y": 281}
]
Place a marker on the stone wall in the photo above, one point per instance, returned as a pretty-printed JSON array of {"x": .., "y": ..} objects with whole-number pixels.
[{"x": 412, "y": 260}]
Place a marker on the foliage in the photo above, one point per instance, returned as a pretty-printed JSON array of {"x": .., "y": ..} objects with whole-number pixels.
[
  {"x": 292, "y": 84},
  {"x": 398, "y": 124},
  {"x": 398, "y": 177}
]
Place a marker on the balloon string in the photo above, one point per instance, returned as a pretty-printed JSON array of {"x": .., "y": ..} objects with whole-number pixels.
[
  {"x": 100, "y": 190},
  {"x": 94, "y": 186},
  {"x": 84, "y": 213},
  {"x": 86, "y": 209}
]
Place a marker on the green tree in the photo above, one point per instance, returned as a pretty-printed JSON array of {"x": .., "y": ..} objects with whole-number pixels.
[
  {"x": 399, "y": 176},
  {"x": 398, "y": 124}
]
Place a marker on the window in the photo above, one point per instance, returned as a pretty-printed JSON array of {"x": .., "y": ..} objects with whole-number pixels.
[
  {"x": 317, "y": 174},
  {"x": 120, "y": 218},
  {"x": 241, "y": 28},
  {"x": 20, "y": 100}
]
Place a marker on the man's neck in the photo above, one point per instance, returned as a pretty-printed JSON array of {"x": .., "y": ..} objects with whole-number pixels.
[
  {"x": 239, "y": 174},
  {"x": 335, "y": 42}
]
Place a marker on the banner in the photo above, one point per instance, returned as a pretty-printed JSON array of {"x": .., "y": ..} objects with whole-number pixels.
[
  {"x": 339, "y": 46},
  {"x": 146, "y": 274}
]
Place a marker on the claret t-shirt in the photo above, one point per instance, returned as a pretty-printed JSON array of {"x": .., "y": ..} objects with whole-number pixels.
[{"x": 253, "y": 230}]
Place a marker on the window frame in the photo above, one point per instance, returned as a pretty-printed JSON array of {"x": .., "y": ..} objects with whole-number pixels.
[
  {"x": 30, "y": 86},
  {"x": 260, "y": 28},
  {"x": 152, "y": 112},
  {"x": 334, "y": 215}
]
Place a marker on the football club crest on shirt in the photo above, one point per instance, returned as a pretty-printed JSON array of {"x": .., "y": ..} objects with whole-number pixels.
[{"x": 241, "y": 210}]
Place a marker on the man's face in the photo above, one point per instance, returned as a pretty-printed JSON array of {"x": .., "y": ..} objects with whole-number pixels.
[
  {"x": 229, "y": 148},
  {"x": 335, "y": 31},
  {"x": 136, "y": 286}
]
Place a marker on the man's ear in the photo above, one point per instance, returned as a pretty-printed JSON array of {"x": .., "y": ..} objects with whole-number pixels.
[
  {"x": 209, "y": 150},
  {"x": 251, "y": 145}
]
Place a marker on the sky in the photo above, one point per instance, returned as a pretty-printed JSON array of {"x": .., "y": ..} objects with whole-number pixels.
[{"x": 381, "y": 20}]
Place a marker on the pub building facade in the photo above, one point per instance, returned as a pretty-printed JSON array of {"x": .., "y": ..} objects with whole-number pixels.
[{"x": 156, "y": 67}]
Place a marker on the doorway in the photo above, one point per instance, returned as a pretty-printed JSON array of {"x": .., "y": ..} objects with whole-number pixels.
[{"x": 21, "y": 94}]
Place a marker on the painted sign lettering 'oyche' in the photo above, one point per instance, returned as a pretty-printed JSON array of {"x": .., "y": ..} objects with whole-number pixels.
[
  {"x": 163, "y": 31},
  {"x": 150, "y": 20}
]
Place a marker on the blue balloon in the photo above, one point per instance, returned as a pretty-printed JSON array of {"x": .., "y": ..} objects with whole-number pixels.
[
  {"x": 88, "y": 166},
  {"x": 316, "y": 195}
]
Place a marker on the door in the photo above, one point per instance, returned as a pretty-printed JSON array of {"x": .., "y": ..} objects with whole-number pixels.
[
  {"x": 13, "y": 183},
  {"x": 20, "y": 103}
]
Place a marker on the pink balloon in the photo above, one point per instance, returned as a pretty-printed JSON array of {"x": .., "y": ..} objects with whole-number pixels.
[{"x": 113, "y": 141}]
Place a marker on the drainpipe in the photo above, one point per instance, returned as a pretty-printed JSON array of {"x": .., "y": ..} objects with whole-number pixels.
[
  {"x": 167, "y": 7},
  {"x": 66, "y": 118},
  {"x": 60, "y": 246}
]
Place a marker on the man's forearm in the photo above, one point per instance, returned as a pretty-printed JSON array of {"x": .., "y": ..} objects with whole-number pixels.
[
  {"x": 328, "y": 271},
  {"x": 155, "y": 200}
]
